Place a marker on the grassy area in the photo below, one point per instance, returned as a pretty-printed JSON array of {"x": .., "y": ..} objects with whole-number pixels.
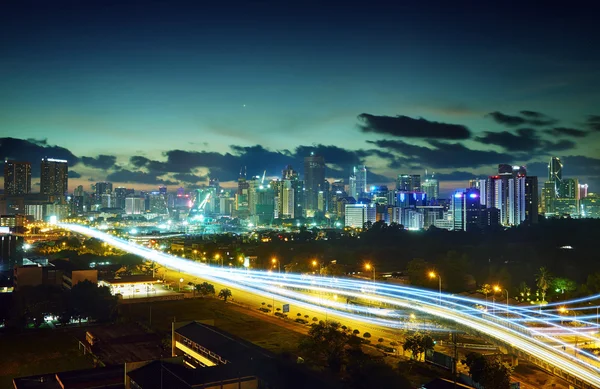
[
  {"x": 39, "y": 352},
  {"x": 227, "y": 317}
]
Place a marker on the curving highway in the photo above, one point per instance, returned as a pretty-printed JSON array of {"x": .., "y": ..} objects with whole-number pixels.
[{"x": 507, "y": 325}]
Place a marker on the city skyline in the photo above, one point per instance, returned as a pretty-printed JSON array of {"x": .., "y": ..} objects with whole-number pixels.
[{"x": 192, "y": 92}]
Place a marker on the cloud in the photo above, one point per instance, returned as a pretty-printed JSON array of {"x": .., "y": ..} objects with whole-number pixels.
[
  {"x": 564, "y": 131},
  {"x": 102, "y": 161},
  {"x": 404, "y": 126},
  {"x": 74, "y": 174},
  {"x": 33, "y": 150},
  {"x": 593, "y": 122},
  {"x": 137, "y": 177},
  {"x": 531, "y": 118},
  {"x": 525, "y": 139},
  {"x": 189, "y": 178},
  {"x": 457, "y": 175},
  {"x": 443, "y": 155}
]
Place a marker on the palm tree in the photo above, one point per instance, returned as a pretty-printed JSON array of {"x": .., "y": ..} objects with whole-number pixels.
[
  {"x": 543, "y": 282},
  {"x": 225, "y": 294}
]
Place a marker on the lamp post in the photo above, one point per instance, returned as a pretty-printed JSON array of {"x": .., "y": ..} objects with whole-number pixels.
[
  {"x": 275, "y": 261},
  {"x": 368, "y": 266},
  {"x": 180, "y": 281},
  {"x": 433, "y": 274},
  {"x": 316, "y": 265},
  {"x": 499, "y": 289},
  {"x": 218, "y": 257}
]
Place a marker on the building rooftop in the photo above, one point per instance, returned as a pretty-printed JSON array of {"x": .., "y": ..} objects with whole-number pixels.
[
  {"x": 442, "y": 383},
  {"x": 108, "y": 377},
  {"x": 228, "y": 346},
  {"x": 131, "y": 279}
]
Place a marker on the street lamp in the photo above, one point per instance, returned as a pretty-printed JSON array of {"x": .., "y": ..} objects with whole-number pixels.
[
  {"x": 275, "y": 261},
  {"x": 217, "y": 257},
  {"x": 499, "y": 289},
  {"x": 432, "y": 275},
  {"x": 180, "y": 281},
  {"x": 368, "y": 266},
  {"x": 315, "y": 263}
]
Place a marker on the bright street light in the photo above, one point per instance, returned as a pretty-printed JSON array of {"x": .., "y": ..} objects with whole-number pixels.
[
  {"x": 275, "y": 261},
  {"x": 432, "y": 275},
  {"x": 368, "y": 266}
]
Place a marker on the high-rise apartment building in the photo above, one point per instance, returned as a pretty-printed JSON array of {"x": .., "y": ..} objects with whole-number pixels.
[
  {"x": 555, "y": 174},
  {"x": 54, "y": 180},
  {"x": 17, "y": 177},
  {"x": 314, "y": 177},
  {"x": 102, "y": 188},
  {"x": 466, "y": 210},
  {"x": 358, "y": 215},
  {"x": 135, "y": 205}
]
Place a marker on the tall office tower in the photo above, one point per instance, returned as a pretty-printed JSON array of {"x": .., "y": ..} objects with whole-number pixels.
[
  {"x": 120, "y": 195},
  {"x": 358, "y": 215},
  {"x": 253, "y": 186},
  {"x": 555, "y": 174},
  {"x": 314, "y": 176},
  {"x": 214, "y": 182},
  {"x": 241, "y": 196},
  {"x": 265, "y": 203},
  {"x": 431, "y": 187},
  {"x": 352, "y": 185},
  {"x": 162, "y": 190},
  {"x": 54, "y": 180},
  {"x": 135, "y": 205},
  {"x": 102, "y": 188},
  {"x": 180, "y": 192},
  {"x": 408, "y": 183},
  {"x": 569, "y": 188},
  {"x": 157, "y": 203},
  {"x": 531, "y": 199},
  {"x": 359, "y": 189},
  {"x": 17, "y": 177},
  {"x": 583, "y": 191},
  {"x": 466, "y": 210}
]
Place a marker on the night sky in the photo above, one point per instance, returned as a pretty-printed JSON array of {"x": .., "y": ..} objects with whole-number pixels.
[{"x": 167, "y": 92}]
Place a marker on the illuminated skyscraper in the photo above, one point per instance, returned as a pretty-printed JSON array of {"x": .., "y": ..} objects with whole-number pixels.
[
  {"x": 531, "y": 199},
  {"x": 54, "y": 180},
  {"x": 358, "y": 182},
  {"x": 314, "y": 177},
  {"x": 431, "y": 187},
  {"x": 17, "y": 177},
  {"x": 408, "y": 183},
  {"x": 555, "y": 174}
]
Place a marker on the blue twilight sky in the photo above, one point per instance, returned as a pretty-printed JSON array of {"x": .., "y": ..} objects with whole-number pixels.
[{"x": 196, "y": 89}]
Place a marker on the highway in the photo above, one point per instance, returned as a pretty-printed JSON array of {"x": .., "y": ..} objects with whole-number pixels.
[{"x": 316, "y": 294}]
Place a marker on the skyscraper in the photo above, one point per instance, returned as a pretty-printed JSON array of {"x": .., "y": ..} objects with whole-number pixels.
[
  {"x": 102, "y": 188},
  {"x": 531, "y": 199},
  {"x": 466, "y": 210},
  {"x": 54, "y": 179},
  {"x": 359, "y": 178},
  {"x": 555, "y": 174},
  {"x": 17, "y": 177},
  {"x": 314, "y": 176},
  {"x": 408, "y": 183},
  {"x": 431, "y": 187}
]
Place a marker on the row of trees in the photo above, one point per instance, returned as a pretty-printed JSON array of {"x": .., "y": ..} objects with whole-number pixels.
[
  {"x": 490, "y": 372},
  {"x": 84, "y": 301},
  {"x": 335, "y": 348},
  {"x": 207, "y": 290}
]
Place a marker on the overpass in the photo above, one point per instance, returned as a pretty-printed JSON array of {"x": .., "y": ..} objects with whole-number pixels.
[{"x": 582, "y": 371}]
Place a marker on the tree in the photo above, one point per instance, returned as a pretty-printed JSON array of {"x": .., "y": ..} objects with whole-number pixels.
[
  {"x": 299, "y": 314},
  {"x": 417, "y": 344},
  {"x": 417, "y": 270},
  {"x": 543, "y": 279},
  {"x": 490, "y": 373},
  {"x": 366, "y": 372},
  {"x": 562, "y": 285},
  {"x": 380, "y": 340},
  {"x": 225, "y": 294},
  {"x": 325, "y": 345},
  {"x": 366, "y": 335},
  {"x": 524, "y": 291},
  {"x": 89, "y": 300},
  {"x": 356, "y": 332},
  {"x": 485, "y": 289},
  {"x": 205, "y": 289}
]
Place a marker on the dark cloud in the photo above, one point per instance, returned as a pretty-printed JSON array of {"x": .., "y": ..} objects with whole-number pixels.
[
  {"x": 33, "y": 150},
  {"x": 137, "y": 177},
  {"x": 404, "y": 126},
  {"x": 443, "y": 155},
  {"x": 74, "y": 174},
  {"x": 564, "y": 131},
  {"x": 525, "y": 139},
  {"x": 593, "y": 122},
  {"x": 531, "y": 118},
  {"x": 457, "y": 175},
  {"x": 189, "y": 178},
  {"x": 102, "y": 161}
]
